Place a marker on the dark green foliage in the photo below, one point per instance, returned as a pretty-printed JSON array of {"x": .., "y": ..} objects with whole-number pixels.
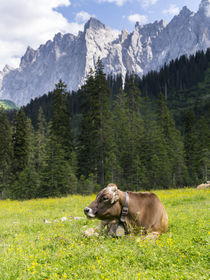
[
  {"x": 57, "y": 177},
  {"x": 40, "y": 138},
  {"x": 25, "y": 185},
  {"x": 5, "y": 152},
  {"x": 203, "y": 145},
  {"x": 88, "y": 185},
  {"x": 96, "y": 142},
  {"x": 129, "y": 131},
  {"x": 60, "y": 121},
  {"x": 172, "y": 142},
  {"x": 197, "y": 147},
  {"x": 20, "y": 143},
  {"x": 190, "y": 145},
  {"x": 24, "y": 179},
  {"x": 181, "y": 73},
  {"x": 115, "y": 84}
]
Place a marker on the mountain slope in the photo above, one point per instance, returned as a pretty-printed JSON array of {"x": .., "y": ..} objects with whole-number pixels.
[
  {"x": 8, "y": 105},
  {"x": 70, "y": 57}
]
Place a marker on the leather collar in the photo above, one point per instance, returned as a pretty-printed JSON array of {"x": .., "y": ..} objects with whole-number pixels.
[{"x": 124, "y": 212}]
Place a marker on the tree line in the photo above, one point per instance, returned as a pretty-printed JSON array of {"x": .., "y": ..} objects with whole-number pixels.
[{"x": 102, "y": 133}]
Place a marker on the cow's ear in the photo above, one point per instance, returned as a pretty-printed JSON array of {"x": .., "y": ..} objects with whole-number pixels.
[{"x": 112, "y": 187}]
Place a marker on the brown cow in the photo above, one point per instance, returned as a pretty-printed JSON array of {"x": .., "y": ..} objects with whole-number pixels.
[
  {"x": 126, "y": 212},
  {"x": 203, "y": 186}
]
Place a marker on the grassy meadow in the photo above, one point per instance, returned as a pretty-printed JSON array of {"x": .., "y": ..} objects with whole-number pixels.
[{"x": 55, "y": 249}]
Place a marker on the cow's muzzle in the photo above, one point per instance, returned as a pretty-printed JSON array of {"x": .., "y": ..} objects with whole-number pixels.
[{"x": 89, "y": 212}]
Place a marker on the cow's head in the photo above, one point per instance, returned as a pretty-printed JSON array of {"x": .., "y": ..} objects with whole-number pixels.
[{"x": 106, "y": 205}]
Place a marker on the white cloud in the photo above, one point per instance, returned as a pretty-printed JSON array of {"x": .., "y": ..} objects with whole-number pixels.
[
  {"x": 146, "y": 3},
  {"x": 137, "y": 17},
  {"x": 117, "y": 2},
  {"x": 83, "y": 16},
  {"x": 173, "y": 10},
  {"x": 29, "y": 22}
]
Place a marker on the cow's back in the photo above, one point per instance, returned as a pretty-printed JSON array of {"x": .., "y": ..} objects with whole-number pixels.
[{"x": 147, "y": 211}]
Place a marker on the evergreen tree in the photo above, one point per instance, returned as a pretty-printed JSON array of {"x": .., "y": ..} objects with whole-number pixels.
[
  {"x": 5, "y": 152},
  {"x": 128, "y": 126},
  {"x": 203, "y": 146},
  {"x": 96, "y": 157},
  {"x": 40, "y": 140},
  {"x": 173, "y": 144},
  {"x": 134, "y": 170},
  {"x": 24, "y": 179},
  {"x": 88, "y": 132},
  {"x": 60, "y": 121},
  {"x": 190, "y": 148},
  {"x": 121, "y": 131},
  {"x": 41, "y": 135},
  {"x": 57, "y": 176},
  {"x": 115, "y": 84},
  {"x": 154, "y": 157},
  {"x": 20, "y": 143}
]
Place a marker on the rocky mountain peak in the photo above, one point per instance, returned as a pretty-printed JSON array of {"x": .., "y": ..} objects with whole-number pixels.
[
  {"x": 204, "y": 8},
  {"x": 151, "y": 26},
  {"x": 7, "y": 68},
  {"x": 123, "y": 36},
  {"x": 58, "y": 37},
  {"x": 28, "y": 57},
  {"x": 204, "y": 3},
  {"x": 94, "y": 24},
  {"x": 185, "y": 12}
]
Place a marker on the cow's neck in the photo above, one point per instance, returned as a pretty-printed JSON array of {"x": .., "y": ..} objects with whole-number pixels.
[
  {"x": 121, "y": 198},
  {"x": 124, "y": 201}
]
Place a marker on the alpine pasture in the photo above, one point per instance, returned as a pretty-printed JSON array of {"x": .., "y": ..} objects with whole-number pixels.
[{"x": 42, "y": 239}]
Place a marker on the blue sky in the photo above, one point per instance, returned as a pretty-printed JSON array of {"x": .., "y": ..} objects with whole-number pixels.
[
  {"x": 32, "y": 22},
  {"x": 119, "y": 14}
]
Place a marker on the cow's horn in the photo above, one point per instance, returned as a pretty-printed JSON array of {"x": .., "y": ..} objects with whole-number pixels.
[{"x": 112, "y": 187}]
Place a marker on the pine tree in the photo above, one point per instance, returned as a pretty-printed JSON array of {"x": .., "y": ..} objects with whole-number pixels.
[
  {"x": 190, "y": 148},
  {"x": 154, "y": 156},
  {"x": 57, "y": 176},
  {"x": 203, "y": 146},
  {"x": 128, "y": 126},
  {"x": 41, "y": 135},
  {"x": 20, "y": 143},
  {"x": 24, "y": 179},
  {"x": 88, "y": 132},
  {"x": 96, "y": 156},
  {"x": 173, "y": 144},
  {"x": 40, "y": 140},
  {"x": 5, "y": 152},
  {"x": 60, "y": 121},
  {"x": 121, "y": 131}
]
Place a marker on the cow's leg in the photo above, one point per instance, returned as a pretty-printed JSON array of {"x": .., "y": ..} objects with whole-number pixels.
[{"x": 94, "y": 231}]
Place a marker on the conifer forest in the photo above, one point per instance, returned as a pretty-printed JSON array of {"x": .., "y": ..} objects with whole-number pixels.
[{"x": 142, "y": 133}]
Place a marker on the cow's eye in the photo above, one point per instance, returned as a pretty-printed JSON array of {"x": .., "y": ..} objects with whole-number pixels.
[{"x": 104, "y": 198}]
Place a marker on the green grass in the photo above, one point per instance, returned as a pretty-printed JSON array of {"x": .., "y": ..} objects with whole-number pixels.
[
  {"x": 8, "y": 105},
  {"x": 32, "y": 249}
]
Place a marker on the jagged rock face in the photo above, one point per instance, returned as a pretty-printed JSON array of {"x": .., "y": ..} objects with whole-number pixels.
[{"x": 70, "y": 57}]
